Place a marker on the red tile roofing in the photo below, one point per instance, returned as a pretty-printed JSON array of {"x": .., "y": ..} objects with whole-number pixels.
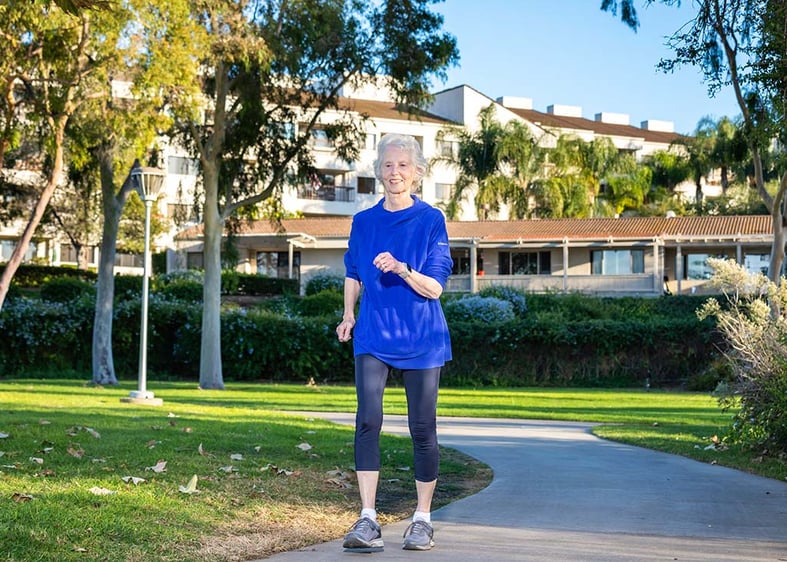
[{"x": 728, "y": 227}]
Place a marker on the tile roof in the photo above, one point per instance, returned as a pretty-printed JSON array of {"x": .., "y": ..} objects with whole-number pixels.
[
  {"x": 546, "y": 230},
  {"x": 390, "y": 110},
  {"x": 549, "y": 120}
]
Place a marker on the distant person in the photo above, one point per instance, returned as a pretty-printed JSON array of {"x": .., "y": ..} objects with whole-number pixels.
[
  {"x": 666, "y": 288},
  {"x": 397, "y": 263}
]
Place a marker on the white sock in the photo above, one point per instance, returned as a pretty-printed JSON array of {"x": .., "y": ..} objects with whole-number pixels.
[
  {"x": 422, "y": 516},
  {"x": 370, "y": 513}
]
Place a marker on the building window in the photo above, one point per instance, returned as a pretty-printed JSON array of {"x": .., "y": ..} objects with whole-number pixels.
[
  {"x": 370, "y": 141},
  {"x": 277, "y": 264},
  {"x": 525, "y": 263},
  {"x": 443, "y": 191},
  {"x": 182, "y": 166},
  {"x": 696, "y": 266},
  {"x": 319, "y": 139},
  {"x": 461, "y": 261},
  {"x": 617, "y": 262},
  {"x": 447, "y": 149},
  {"x": 195, "y": 260},
  {"x": 367, "y": 185},
  {"x": 757, "y": 263}
]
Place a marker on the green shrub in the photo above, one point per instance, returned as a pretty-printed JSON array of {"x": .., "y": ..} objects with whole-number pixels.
[
  {"x": 65, "y": 289},
  {"x": 182, "y": 290},
  {"x": 480, "y": 309},
  {"x": 324, "y": 282},
  {"x": 230, "y": 282},
  {"x": 326, "y": 303},
  {"x": 30, "y": 275},
  {"x": 128, "y": 287},
  {"x": 260, "y": 285}
]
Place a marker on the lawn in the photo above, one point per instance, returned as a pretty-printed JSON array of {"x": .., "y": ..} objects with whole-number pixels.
[{"x": 86, "y": 477}]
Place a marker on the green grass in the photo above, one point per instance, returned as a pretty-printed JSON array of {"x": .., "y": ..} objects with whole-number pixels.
[{"x": 86, "y": 438}]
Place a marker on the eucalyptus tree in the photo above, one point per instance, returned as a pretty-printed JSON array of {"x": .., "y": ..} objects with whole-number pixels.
[
  {"x": 50, "y": 62},
  {"x": 267, "y": 73},
  {"x": 741, "y": 44}
]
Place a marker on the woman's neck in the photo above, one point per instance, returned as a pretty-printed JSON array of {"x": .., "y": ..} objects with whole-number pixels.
[{"x": 398, "y": 202}]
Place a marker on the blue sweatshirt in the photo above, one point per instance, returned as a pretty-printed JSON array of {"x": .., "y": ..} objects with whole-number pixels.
[{"x": 395, "y": 324}]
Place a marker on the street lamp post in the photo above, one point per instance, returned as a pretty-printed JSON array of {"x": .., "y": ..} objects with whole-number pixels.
[{"x": 148, "y": 182}]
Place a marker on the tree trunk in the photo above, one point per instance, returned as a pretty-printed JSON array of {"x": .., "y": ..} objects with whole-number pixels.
[
  {"x": 210, "y": 376},
  {"x": 103, "y": 361},
  {"x": 43, "y": 200}
]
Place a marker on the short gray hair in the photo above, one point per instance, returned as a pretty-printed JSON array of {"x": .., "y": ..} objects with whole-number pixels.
[{"x": 408, "y": 144}]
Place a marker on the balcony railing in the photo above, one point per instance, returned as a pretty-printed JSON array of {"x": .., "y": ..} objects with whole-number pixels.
[
  {"x": 342, "y": 193},
  {"x": 619, "y": 285}
]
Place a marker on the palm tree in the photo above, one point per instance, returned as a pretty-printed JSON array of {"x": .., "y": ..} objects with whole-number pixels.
[{"x": 478, "y": 163}]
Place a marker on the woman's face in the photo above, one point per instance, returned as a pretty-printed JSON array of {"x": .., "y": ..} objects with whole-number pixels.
[{"x": 398, "y": 171}]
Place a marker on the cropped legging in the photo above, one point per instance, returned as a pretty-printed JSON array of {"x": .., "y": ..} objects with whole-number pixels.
[{"x": 420, "y": 387}]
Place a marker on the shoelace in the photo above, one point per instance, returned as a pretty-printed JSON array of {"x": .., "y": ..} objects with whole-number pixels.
[
  {"x": 418, "y": 527},
  {"x": 364, "y": 525}
]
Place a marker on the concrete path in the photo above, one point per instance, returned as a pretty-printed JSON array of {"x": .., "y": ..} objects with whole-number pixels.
[{"x": 559, "y": 493}]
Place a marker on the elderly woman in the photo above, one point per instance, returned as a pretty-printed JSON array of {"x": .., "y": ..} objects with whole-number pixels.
[{"x": 399, "y": 257}]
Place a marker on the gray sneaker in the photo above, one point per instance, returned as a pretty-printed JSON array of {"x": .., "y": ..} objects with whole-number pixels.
[
  {"x": 364, "y": 536},
  {"x": 418, "y": 536}
]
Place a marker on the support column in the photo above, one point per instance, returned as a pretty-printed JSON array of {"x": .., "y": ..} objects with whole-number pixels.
[{"x": 473, "y": 267}]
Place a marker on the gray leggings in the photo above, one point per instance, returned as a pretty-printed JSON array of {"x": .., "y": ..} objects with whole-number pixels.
[{"x": 420, "y": 387}]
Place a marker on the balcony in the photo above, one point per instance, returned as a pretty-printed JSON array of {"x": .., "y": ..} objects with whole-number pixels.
[
  {"x": 343, "y": 193},
  {"x": 606, "y": 285}
]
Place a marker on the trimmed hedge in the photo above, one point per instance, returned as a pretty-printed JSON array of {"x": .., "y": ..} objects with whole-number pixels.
[{"x": 542, "y": 349}]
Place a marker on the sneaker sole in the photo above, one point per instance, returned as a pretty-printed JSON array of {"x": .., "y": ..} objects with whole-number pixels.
[
  {"x": 362, "y": 547},
  {"x": 410, "y": 546}
]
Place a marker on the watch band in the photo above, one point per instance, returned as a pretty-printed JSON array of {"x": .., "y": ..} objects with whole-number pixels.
[{"x": 407, "y": 271}]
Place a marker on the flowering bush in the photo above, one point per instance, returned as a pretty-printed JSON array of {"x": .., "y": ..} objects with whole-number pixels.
[
  {"x": 475, "y": 308},
  {"x": 510, "y": 294},
  {"x": 754, "y": 323}
]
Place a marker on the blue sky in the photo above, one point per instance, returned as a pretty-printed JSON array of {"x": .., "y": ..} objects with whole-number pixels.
[{"x": 569, "y": 52}]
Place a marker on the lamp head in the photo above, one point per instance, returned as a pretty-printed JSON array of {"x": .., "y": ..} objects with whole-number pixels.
[{"x": 148, "y": 181}]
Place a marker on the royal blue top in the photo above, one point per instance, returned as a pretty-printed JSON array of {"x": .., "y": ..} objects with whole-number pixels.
[{"x": 395, "y": 324}]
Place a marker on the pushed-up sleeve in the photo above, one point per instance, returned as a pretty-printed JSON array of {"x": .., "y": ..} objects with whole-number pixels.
[
  {"x": 350, "y": 256},
  {"x": 438, "y": 261}
]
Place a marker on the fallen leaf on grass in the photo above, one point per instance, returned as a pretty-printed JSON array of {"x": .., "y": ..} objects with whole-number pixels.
[
  {"x": 44, "y": 422},
  {"x": 228, "y": 469},
  {"x": 133, "y": 479},
  {"x": 4, "y": 435},
  {"x": 19, "y": 497},
  {"x": 191, "y": 487},
  {"x": 236, "y": 457},
  {"x": 339, "y": 483},
  {"x": 98, "y": 491},
  {"x": 152, "y": 443},
  {"x": 160, "y": 466},
  {"x": 79, "y": 549},
  {"x": 93, "y": 432},
  {"x": 37, "y": 460},
  {"x": 304, "y": 446},
  {"x": 281, "y": 471},
  {"x": 77, "y": 453}
]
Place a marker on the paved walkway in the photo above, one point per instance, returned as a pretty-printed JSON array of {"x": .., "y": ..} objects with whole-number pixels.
[{"x": 561, "y": 494}]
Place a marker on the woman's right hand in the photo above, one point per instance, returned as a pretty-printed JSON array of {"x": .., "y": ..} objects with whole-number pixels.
[{"x": 345, "y": 330}]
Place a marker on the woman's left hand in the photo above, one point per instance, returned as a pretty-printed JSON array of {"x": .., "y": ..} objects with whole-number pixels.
[{"x": 385, "y": 262}]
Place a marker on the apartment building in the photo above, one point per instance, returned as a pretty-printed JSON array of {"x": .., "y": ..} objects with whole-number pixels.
[{"x": 340, "y": 188}]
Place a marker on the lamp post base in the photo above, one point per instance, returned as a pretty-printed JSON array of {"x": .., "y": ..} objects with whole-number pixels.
[{"x": 142, "y": 397}]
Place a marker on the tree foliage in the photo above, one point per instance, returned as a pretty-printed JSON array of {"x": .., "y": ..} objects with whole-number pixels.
[{"x": 262, "y": 76}]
